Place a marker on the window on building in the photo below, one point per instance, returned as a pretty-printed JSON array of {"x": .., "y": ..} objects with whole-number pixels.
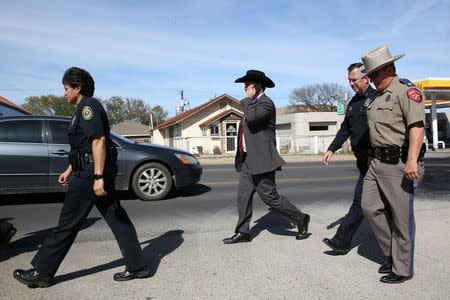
[
  {"x": 214, "y": 129},
  {"x": 318, "y": 127},
  {"x": 204, "y": 130},
  {"x": 176, "y": 131}
]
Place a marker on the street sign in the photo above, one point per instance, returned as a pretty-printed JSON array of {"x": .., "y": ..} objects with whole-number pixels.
[{"x": 340, "y": 109}]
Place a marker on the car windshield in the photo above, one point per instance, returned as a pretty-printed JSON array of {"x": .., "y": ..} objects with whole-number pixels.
[{"x": 118, "y": 136}]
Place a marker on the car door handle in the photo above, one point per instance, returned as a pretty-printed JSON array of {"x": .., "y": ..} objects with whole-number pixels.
[{"x": 60, "y": 152}]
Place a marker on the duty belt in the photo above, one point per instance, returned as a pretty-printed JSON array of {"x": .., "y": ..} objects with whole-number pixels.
[
  {"x": 388, "y": 155},
  {"x": 392, "y": 154}
]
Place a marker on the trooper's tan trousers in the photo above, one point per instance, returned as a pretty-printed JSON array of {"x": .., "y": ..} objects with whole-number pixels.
[{"x": 387, "y": 203}]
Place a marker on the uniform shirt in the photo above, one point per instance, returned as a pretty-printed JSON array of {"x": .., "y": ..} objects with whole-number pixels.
[
  {"x": 89, "y": 119},
  {"x": 355, "y": 123},
  {"x": 393, "y": 110}
]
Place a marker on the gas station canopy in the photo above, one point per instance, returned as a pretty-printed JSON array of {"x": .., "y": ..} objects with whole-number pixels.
[
  {"x": 437, "y": 95},
  {"x": 437, "y": 88}
]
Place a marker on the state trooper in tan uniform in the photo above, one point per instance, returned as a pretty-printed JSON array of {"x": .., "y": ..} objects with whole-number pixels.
[{"x": 396, "y": 124}]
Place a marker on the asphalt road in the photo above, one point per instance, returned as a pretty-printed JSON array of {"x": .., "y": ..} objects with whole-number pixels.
[{"x": 210, "y": 205}]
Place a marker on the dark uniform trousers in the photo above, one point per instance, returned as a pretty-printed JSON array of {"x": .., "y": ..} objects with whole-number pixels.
[
  {"x": 387, "y": 203},
  {"x": 5, "y": 227},
  {"x": 264, "y": 185},
  {"x": 80, "y": 199},
  {"x": 354, "y": 217}
]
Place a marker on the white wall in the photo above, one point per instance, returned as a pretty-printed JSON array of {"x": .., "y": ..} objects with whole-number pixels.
[{"x": 300, "y": 122}]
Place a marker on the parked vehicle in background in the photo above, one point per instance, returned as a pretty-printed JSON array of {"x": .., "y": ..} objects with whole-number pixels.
[{"x": 34, "y": 150}]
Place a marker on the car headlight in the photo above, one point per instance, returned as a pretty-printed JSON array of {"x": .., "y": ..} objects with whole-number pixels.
[{"x": 186, "y": 159}]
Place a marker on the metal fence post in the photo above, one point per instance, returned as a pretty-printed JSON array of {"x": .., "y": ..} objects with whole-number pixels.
[{"x": 316, "y": 144}]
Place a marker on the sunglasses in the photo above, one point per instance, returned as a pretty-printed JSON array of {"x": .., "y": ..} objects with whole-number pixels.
[{"x": 376, "y": 74}]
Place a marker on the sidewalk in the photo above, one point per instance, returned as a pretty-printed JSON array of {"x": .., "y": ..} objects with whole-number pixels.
[
  {"x": 273, "y": 266},
  {"x": 229, "y": 159}
]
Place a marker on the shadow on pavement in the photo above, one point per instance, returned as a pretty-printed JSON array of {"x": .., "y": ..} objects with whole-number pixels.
[
  {"x": 366, "y": 243},
  {"x": 33, "y": 240},
  {"x": 274, "y": 223},
  {"x": 40, "y": 198},
  {"x": 156, "y": 249},
  {"x": 188, "y": 191}
]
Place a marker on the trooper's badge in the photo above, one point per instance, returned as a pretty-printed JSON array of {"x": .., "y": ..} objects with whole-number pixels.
[
  {"x": 87, "y": 113},
  {"x": 387, "y": 98},
  {"x": 415, "y": 95}
]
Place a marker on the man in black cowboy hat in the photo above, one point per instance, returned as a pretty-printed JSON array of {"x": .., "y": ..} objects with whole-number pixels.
[{"x": 257, "y": 159}]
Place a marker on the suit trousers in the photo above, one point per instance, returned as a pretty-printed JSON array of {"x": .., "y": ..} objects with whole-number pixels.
[
  {"x": 79, "y": 200},
  {"x": 264, "y": 185},
  {"x": 354, "y": 217},
  {"x": 387, "y": 203}
]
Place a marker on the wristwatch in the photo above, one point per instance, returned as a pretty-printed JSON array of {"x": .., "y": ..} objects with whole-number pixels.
[{"x": 97, "y": 176}]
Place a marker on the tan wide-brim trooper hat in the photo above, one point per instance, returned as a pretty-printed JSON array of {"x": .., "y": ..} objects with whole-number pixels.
[{"x": 375, "y": 59}]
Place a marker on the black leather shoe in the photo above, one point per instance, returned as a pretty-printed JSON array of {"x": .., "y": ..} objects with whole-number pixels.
[
  {"x": 386, "y": 268},
  {"x": 32, "y": 278},
  {"x": 238, "y": 238},
  {"x": 4, "y": 241},
  {"x": 303, "y": 228},
  {"x": 127, "y": 275},
  {"x": 333, "y": 245},
  {"x": 393, "y": 278}
]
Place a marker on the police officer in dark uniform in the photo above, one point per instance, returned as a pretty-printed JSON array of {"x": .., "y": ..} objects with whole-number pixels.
[
  {"x": 354, "y": 126},
  {"x": 92, "y": 172}
]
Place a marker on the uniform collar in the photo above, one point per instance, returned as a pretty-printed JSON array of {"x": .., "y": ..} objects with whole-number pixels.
[
  {"x": 81, "y": 104},
  {"x": 391, "y": 87}
]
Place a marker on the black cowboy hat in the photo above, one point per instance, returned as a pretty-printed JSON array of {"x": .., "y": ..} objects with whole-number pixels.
[{"x": 256, "y": 76}]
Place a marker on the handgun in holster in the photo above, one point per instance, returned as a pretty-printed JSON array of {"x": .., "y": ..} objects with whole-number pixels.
[{"x": 405, "y": 148}]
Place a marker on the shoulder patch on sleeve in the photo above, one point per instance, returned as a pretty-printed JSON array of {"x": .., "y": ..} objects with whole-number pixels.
[
  {"x": 415, "y": 95},
  {"x": 407, "y": 82},
  {"x": 87, "y": 113}
]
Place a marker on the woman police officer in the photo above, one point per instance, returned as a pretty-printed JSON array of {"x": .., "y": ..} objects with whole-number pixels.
[{"x": 92, "y": 172}]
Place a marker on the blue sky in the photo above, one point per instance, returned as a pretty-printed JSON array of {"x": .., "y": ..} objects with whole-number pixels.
[{"x": 153, "y": 49}]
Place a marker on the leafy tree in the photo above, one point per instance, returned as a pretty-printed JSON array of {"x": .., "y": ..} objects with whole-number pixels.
[
  {"x": 117, "y": 108},
  {"x": 120, "y": 110},
  {"x": 159, "y": 115},
  {"x": 319, "y": 97},
  {"x": 50, "y": 105}
]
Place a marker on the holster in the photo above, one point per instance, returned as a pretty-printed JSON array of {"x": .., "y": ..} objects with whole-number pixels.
[
  {"x": 405, "y": 148},
  {"x": 77, "y": 159}
]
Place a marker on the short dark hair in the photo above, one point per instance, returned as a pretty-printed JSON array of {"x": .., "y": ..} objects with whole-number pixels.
[
  {"x": 75, "y": 77},
  {"x": 354, "y": 65}
]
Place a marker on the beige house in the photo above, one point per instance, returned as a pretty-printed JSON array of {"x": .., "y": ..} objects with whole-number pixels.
[
  {"x": 134, "y": 131},
  {"x": 210, "y": 128}
]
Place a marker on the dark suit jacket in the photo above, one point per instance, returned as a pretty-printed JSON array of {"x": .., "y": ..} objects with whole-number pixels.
[{"x": 259, "y": 134}]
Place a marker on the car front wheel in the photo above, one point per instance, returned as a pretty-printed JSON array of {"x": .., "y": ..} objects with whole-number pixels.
[{"x": 151, "y": 181}]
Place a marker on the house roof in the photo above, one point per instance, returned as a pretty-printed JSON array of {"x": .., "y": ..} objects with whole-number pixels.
[
  {"x": 222, "y": 114},
  {"x": 188, "y": 113},
  {"x": 131, "y": 128},
  {"x": 15, "y": 106}
]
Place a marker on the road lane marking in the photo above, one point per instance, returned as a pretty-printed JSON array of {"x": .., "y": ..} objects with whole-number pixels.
[
  {"x": 287, "y": 180},
  {"x": 289, "y": 167}
]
